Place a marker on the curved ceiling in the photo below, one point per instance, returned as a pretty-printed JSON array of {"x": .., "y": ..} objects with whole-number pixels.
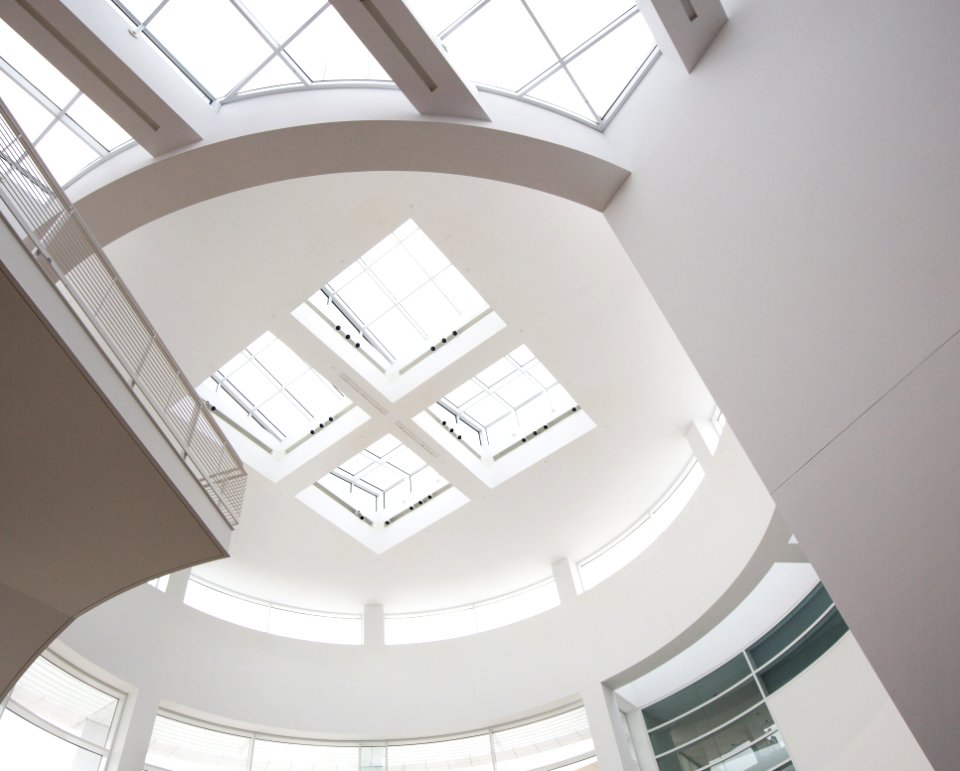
[{"x": 216, "y": 275}]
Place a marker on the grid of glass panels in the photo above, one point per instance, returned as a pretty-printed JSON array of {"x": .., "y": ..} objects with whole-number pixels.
[
  {"x": 272, "y": 393},
  {"x": 400, "y": 300},
  {"x": 545, "y": 743},
  {"x": 56, "y": 721},
  {"x": 383, "y": 481},
  {"x": 511, "y": 400},
  {"x": 69, "y": 131},
  {"x": 228, "y": 47},
  {"x": 581, "y": 56}
]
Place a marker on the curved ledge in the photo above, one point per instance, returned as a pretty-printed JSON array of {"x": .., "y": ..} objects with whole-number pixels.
[{"x": 242, "y": 162}]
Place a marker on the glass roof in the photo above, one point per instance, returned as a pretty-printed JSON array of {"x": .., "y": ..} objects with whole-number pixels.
[
  {"x": 69, "y": 130},
  {"x": 400, "y": 300},
  {"x": 502, "y": 406},
  {"x": 227, "y": 47},
  {"x": 576, "y": 55},
  {"x": 273, "y": 394},
  {"x": 383, "y": 481}
]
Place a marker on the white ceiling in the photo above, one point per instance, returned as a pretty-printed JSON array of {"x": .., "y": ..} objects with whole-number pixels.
[{"x": 216, "y": 275}]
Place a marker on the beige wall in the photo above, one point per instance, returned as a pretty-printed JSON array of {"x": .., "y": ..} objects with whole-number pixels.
[{"x": 837, "y": 715}]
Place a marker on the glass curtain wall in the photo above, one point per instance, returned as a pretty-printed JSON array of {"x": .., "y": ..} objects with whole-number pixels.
[{"x": 722, "y": 722}]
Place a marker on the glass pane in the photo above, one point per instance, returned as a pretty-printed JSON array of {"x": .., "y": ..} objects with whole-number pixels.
[
  {"x": 25, "y": 746},
  {"x": 35, "y": 68},
  {"x": 812, "y": 647},
  {"x": 735, "y": 738},
  {"x": 544, "y": 742},
  {"x": 437, "y": 15},
  {"x": 315, "y": 627},
  {"x": 286, "y": 756},
  {"x": 569, "y": 23},
  {"x": 276, "y": 73},
  {"x": 65, "y": 153},
  {"x": 329, "y": 50},
  {"x": 791, "y": 627},
  {"x": 501, "y": 46},
  {"x": 211, "y": 40},
  {"x": 27, "y": 111},
  {"x": 97, "y": 123},
  {"x": 472, "y": 752},
  {"x": 281, "y": 20},
  {"x": 605, "y": 69},
  {"x": 66, "y": 701},
  {"x": 707, "y": 718},
  {"x": 226, "y": 606},
  {"x": 560, "y": 91},
  {"x": 444, "y": 625},
  {"x": 507, "y": 610},
  {"x": 140, "y": 9},
  {"x": 185, "y": 747},
  {"x": 693, "y": 695},
  {"x": 373, "y": 758}
]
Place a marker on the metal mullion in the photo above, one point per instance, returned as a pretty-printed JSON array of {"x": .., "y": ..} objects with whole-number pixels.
[
  {"x": 559, "y": 58},
  {"x": 590, "y": 42},
  {"x": 337, "y": 302},
  {"x": 716, "y": 729},
  {"x": 452, "y": 27},
  {"x": 398, "y": 303},
  {"x": 703, "y": 704},
  {"x": 153, "y": 13},
  {"x": 179, "y": 65},
  {"x": 458, "y": 415},
  {"x": 254, "y": 412}
]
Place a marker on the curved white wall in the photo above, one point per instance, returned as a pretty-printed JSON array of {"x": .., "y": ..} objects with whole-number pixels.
[{"x": 697, "y": 571}]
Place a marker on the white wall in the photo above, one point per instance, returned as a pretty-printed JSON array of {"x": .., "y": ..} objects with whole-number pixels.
[
  {"x": 836, "y": 716},
  {"x": 677, "y": 589},
  {"x": 793, "y": 212}
]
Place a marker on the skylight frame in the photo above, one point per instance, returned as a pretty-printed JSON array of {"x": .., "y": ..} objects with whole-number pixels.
[
  {"x": 277, "y": 49},
  {"x": 391, "y": 526},
  {"x": 352, "y": 332},
  {"x": 531, "y": 443},
  {"x": 600, "y": 122},
  {"x": 303, "y": 441},
  {"x": 59, "y": 116}
]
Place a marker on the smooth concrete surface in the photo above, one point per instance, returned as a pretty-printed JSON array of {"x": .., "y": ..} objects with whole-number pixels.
[
  {"x": 836, "y": 715},
  {"x": 792, "y": 211}
]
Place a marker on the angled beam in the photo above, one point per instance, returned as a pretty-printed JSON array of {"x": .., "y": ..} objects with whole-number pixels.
[
  {"x": 412, "y": 57},
  {"x": 684, "y": 29},
  {"x": 67, "y": 43}
]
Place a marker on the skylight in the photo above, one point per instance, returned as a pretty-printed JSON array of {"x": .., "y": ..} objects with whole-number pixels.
[
  {"x": 396, "y": 306},
  {"x": 383, "y": 482},
  {"x": 228, "y": 48},
  {"x": 505, "y": 418},
  {"x": 581, "y": 57},
  {"x": 69, "y": 131},
  {"x": 514, "y": 399},
  {"x": 383, "y": 495},
  {"x": 272, "y": 394}
]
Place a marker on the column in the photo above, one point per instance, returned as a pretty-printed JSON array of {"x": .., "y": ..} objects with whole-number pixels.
[
  {"x": 133, "y": 734},
  {"x": 608, "y": 728}
]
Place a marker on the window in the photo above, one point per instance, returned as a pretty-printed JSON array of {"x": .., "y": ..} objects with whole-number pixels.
[
  {"x": 57, "y": 721},
  {"x": 69, "y": 131},
  {"x": 549, "y": 743},
  {"x": 187, "y": 747},
  {"x": 383, "y": 494},
  {"x": 401, "y": 305},
  {"x": 514, "y": 406},
  {"x": 581, "y": 58},
  {"x": 228, "y": 49}
]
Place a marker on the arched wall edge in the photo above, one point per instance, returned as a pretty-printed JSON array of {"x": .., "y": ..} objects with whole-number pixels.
[{"x": 684, "y": 583}]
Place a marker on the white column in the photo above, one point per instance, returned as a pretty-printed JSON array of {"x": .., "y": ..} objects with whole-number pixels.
[
  {"x": 608, "y": 729},
  {"x": 567, "y": 580},
  {"x": 641, "y": 741},
  {"x": 177, "y": 585},
  {"x": 373, "y": 624},
  {"x": 129, "y": 751},
  {"x": 703, "y": 440}
]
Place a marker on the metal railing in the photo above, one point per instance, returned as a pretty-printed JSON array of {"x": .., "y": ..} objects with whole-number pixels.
[{"x": 71, "y": 258}]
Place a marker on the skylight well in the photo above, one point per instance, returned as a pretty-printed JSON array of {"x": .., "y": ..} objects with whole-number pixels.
[
  {"x": 400, "y": 313},
  {"x": 275, "y": 402},
  {"x": 69, "y": 131},
  {"x": 383, "y": 494},
  {"x": 506, "y": 418},
  {"x": 227, "y": 49},
  {"x": 581, "y": 57}
]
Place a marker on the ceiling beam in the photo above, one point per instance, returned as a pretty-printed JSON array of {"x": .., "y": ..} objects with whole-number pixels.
[
  {"x": 70, "y": 46},
  {"x": 412, "y": 57}
]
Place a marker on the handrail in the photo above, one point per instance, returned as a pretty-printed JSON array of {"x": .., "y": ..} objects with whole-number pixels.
[{"x": 69, "y": 255}]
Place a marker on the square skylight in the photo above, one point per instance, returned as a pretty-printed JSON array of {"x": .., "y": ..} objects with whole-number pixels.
[
  {"x": 506, "y": 417},
  {"x": 383, "y": 494},
  {"x": 400, "y": 313},
  {"x": 274, "y": 402}
]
